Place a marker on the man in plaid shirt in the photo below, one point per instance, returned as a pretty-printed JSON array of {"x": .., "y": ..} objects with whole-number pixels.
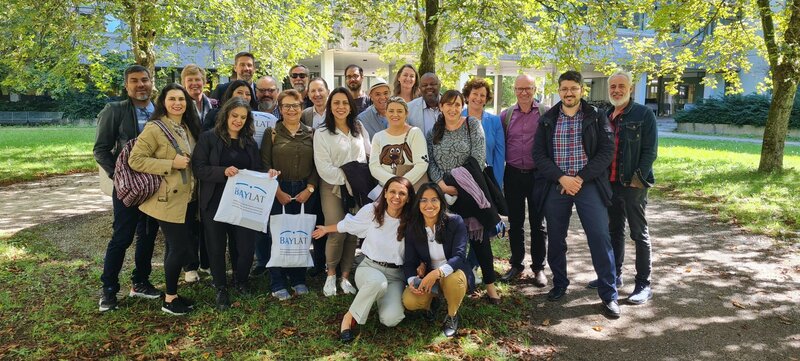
[{"x": 573, "y": 151}]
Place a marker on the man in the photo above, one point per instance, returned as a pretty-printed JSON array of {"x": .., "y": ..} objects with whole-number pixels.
[
  {"x": 572, "y": 152},
  {"x": 374, "y": 117},
  {"x": 244, "y": 67},
  {"x": 423, "y": 111},
  {"x": 267, "y": 95},
  {"x": 117, "y": 123},
  {"x": 314, "y": 116},
  {"x": 193, "y": 78},
  {"x": 520, "y": 123},
  {"x": 635, "y": 144},
  {"x": 354, "y": 76},
  {"x": 299, "y": 77}
]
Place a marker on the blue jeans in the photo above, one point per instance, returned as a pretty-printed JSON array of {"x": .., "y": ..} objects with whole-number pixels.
[
  {"x": 594, "y": 219},
  {"x": 127, "y": 222},
  {"x": 629, "y": 204},
  {"x": 296, "y": 275}
]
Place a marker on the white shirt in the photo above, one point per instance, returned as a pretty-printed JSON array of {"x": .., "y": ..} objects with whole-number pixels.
[
  {"x": 380, "y": 242},
  {"x": 331, "y": 151}
]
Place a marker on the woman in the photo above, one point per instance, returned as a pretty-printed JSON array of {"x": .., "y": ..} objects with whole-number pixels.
[
  {"x": 406, "y": 83},
  {"x": 439, "y": 241},
  {"x": 379, "y": 277},
  {"x": 453, "y": 139},
  {"x": 340, "y": 140},
  {"x": 288, "y": 149},
  {"x": 478, "y": 92},
  {"x": 221, "y": 153},
  {"x": 238, "y": 88},
  {"x": 173, "y": 205},
  {"x": 398, "y": 147}
]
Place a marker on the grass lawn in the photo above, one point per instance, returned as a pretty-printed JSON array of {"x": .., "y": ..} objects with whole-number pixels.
[
  {"x": 721, "y": 177},
  {"x": 28, "y": 153}
]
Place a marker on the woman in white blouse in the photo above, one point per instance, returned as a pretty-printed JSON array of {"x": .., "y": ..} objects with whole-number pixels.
[
  {"x": 339, "y": 140},
  {"x": 379, "y": 276},
  {"x": 400, "y": 149}
]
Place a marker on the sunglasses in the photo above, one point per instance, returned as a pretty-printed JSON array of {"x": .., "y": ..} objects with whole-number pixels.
[{"x": 299, "y": 75}]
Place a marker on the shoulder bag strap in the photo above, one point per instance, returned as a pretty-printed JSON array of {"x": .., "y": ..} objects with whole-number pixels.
[{"x": 172, "y": 140}]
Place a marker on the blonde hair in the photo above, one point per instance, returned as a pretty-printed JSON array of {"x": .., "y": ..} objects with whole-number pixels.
[{"x": 192, "y": 69}]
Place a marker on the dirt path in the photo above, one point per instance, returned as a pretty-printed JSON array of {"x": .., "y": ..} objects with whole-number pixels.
[{"x": 720, "y": 294}]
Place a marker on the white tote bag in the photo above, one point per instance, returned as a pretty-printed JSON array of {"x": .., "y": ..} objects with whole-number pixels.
[
  {"x": 291, "y": 239},
  {"x": 247, "y": 200}
]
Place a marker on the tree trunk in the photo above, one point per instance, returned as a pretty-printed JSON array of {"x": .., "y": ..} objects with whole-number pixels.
[
  {"x": 430, "y": 39},
  {"x": 142, "y": 34},
  {"x": 777, "y": 121}
]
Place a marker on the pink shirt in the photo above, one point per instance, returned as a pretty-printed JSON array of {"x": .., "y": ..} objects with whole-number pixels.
[{"x": 519, "y": 136}]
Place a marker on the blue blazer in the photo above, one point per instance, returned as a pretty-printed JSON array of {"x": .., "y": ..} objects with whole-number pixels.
[
  {"x": 455, "y": 250},
  {"x": 495, "y": 144}
]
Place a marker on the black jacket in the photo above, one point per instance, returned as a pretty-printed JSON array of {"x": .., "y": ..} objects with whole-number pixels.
[
  {"x": 206, "y": 167},
  {"x": 116, "y": 125},
  {"x": 454, "y": 245},
  {"x": 638, "y": 143},
  {"x": 597, "y": 144}
]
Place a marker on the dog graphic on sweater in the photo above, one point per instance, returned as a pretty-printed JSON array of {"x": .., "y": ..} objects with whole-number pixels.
[{"x": 392, "y": 154}]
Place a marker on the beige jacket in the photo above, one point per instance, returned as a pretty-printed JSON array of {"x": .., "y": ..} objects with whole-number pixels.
[{"x": 153, "y": 153}]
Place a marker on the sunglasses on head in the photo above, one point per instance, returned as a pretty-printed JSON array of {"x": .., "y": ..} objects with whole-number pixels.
[{"x": 299, "y": 75}]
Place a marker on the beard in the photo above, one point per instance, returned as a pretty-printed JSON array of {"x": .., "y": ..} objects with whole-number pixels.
[
  {"x": 622, "y": 101},
  {"x": 266, "y": 105},
  {"x": 299, "y": 87},
  {"x": 354, "y": 87}
]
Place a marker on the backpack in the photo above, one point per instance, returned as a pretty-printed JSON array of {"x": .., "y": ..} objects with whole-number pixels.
[
  {"x": 133, "y": 188},
  {"x": 510, "y": 111}
]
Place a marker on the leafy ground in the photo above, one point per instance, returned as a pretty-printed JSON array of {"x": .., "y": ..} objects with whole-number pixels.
[{"x": 28, "y": 153}]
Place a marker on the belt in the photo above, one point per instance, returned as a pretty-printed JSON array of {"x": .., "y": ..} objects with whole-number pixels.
[
  {"x": 521, "y": 171},
  {"x": 384, "y": 264}
]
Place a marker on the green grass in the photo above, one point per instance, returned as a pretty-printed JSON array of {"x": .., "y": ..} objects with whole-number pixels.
[
  {"x": 721, "y": 177},
  {"x": 28, "y": 153}
]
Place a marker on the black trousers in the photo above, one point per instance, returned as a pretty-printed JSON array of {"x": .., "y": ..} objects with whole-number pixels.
[
  {"x": 178, "y": 238},
  {"x": 628, "y": 204},
  {"x": 218, "y": 235},
  {"x": 519, "y": 187},
  {"x": 483, "y": 251}
]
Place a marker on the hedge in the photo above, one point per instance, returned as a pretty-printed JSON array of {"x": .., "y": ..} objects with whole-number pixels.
[{"x": 737, "y": 110}]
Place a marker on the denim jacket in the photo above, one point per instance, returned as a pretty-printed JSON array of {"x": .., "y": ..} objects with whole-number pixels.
[{"x": 638, "y": 143}]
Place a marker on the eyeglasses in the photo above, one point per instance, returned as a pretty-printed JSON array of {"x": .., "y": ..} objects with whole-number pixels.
[
  {"x": 353, "y": 76},
  {"x": 525, "y": 89},
  {"x": 570, "y": 90},
  {"x": 267, "y": 90},
  {"x": 295, "y": 106},
  {"x": 298, "y": 75}
]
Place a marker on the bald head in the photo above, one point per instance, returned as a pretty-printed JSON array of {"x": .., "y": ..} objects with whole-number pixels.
[
  {"x": 266, "y": 93},
  {"x": 429, "y": 86},
  {"x": 524, "y": 89}
]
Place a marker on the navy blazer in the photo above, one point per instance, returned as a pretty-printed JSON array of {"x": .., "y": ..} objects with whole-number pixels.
[
  {"x": 206, "y": 168},
  {"x": 455, "y": 250}
]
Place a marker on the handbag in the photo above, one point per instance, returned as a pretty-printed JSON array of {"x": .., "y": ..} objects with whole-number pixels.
[
  {"x": 247, "y": 200},
  {"x": 291, "y": 239}
]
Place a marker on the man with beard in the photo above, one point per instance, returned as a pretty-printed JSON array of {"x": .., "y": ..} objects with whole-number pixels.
[
  {"x": 354, "y": 76},
  {"x": 117, "y": 123},
  {"x": 299, "y": 77},
  {"x": 374, "y": 117},
  {"x": 267, "y": 94},
  {"x": 244, "y": 67},
  {"x": 635, "y": 144},
  {"x": 423, "y": 111},
  {"x": 572, "y": 152}
]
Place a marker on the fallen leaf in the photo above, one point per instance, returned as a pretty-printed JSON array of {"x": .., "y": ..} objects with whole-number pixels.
[
  {"x": 597, "y": 328},
  {"x": 688, "y": 269},
  {"x": 546, "y": 322},
  {"x": 737, "y": 304}
]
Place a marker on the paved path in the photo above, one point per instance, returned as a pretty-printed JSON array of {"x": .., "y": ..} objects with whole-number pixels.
[{"x": 667, "y": 127}]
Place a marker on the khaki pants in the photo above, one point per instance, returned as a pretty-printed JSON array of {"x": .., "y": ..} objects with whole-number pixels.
[
  {"x": 340, "y": 248},
  {"x": 382, "y": 285},
  {"x": 454, "y": 287}
]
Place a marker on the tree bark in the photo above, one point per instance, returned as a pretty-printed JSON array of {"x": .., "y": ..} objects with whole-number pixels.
[
  {"x": 430, "y": 39},
  {"x": 143, "y": 35}
]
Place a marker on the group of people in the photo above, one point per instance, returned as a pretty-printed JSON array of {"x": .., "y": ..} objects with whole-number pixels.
[{"x": 444, "y": 167}]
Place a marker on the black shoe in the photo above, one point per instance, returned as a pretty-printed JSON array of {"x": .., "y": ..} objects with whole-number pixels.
[
  {"x": 145, "y": 290},
  {"x": 258, "y": 271},
  {"x": 450, "y": 327},
  {"x": 349, "y": 334},
  {"x": 223, "y": 300},
  {"x": 176, "y": 307},
  {"x": 108, "y": 302},
  {"x": 556, "y": 293},
  {"x": 512, "y": 274},
  {"x": 611, "y": 308}
]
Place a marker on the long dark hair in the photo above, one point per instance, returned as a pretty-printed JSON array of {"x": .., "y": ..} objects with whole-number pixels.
[
  {"x": 448, "y": 97},
  {"x": 415, "y": 221},
  {"x": 381, "y": 204},
  {"x": 189, "y": 117},
  {"x": 221, "y": 127},
  {"x": 235, "y": 85},
  {"x": 330, "y": 121}
]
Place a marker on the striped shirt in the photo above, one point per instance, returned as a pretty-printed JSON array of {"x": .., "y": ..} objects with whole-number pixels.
[{"x": 568, "y": 151}]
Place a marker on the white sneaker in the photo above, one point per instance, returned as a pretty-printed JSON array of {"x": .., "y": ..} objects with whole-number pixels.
[
  {"x": 191, "y": 276},
  {"x": 478, "y": 279},
  {"x": 330, "y": 286},
  {"x": 347, "y": 288}
]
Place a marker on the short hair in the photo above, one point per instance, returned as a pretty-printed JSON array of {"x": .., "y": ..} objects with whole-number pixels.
[
  {"x": 325, "y": 83},
  {"x": 477, "y": 83},
  {"x": 290, "y": 93},
  {"x": 398, "y": 100},
  {"x": 619, "y": 72},
  {"x": 241, "y": 54},
  {"x": 192, "y": 69},
  {"x": 135, "y": 68},
  {"x": 571, "y": 75},
  {"x": 305, "y": 69},
  {"x": 360, "y": 71}
]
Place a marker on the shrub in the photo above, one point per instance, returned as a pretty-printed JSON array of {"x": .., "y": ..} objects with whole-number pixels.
[{"x": 737, "y": 110}]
